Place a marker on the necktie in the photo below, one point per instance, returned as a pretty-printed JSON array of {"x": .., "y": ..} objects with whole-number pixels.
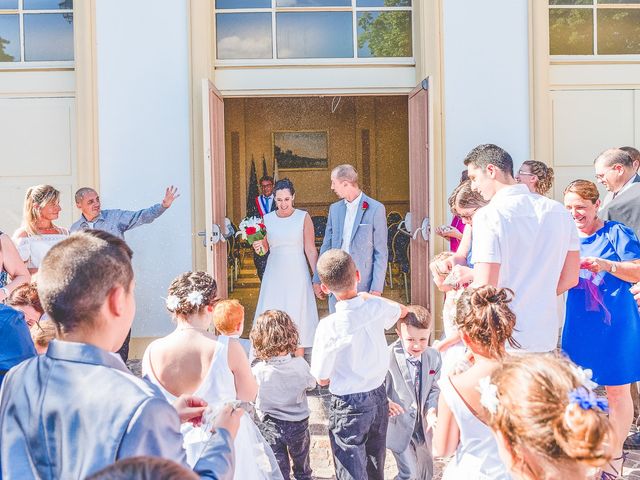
[{"x": 417, "y": 377}]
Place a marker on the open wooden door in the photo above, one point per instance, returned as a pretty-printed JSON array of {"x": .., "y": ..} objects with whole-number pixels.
[
  {"x": 419, "y": 193},
  {"x": 214, "y": 184}
]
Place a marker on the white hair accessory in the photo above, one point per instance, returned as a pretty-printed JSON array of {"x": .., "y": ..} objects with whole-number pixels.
[
  {"x": 584, "y": 377},
  {"x": 488, "y": 395},
  {"x": 172, "y": 302},
  {"x": 195, "y": 298}
]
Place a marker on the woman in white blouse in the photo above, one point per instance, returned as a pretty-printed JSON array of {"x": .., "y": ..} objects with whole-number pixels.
[{"x": 38, "y": 233}]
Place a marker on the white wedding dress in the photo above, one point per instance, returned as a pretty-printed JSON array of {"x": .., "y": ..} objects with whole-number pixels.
[
  {"x": 286, "y": 284},
  {"x": 254, "y": 458}
]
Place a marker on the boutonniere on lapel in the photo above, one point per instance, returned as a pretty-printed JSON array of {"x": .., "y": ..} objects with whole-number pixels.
[{"x": 365, "y": 206}]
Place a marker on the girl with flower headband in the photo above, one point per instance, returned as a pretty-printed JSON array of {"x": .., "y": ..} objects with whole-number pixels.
[
  {"x": 192, "y": 360},
  {"x": 548, "y": 421},
  {"x": 485, "y": 323}
]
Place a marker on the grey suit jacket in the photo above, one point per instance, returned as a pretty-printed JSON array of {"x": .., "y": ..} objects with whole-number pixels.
[
  {"x": 368, "y": 241},
  {"x": 77, "y": 409},
  {"x": 625, "y": 207},
  {"x": 399, "y": 384}
]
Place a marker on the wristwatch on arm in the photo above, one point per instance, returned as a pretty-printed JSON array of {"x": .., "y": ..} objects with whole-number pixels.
[{"x": 613, "y": 268}]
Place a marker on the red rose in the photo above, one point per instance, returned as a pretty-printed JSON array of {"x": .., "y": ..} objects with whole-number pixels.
[
  {"x": 262, "y": 226},
  {"x": 432, "y": 372},
  {"x": 250, "y": 230},
  {"x": 365, "y": 205}
]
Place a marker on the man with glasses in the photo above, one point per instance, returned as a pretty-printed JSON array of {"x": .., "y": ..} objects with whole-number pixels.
[
  {"x": 616, "y": 171},
  {"x": 266, "y": 203}
]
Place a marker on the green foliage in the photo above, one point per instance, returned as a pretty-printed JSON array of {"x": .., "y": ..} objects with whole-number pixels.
[
  {"x": 5, "y": 57},
  {"x": 386, "y": 34}
]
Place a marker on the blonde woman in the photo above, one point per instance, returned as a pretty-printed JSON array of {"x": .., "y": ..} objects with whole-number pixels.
[{"x": 38, "y": 232}]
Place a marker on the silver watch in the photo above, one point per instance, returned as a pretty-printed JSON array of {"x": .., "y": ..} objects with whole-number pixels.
[{"x": 614, "y": 268}]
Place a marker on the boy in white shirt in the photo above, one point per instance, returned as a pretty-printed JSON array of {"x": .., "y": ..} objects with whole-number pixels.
[{"x": 350, "y": 355}]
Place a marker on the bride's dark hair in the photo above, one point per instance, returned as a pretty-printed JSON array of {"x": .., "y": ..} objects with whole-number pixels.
[{"x": 284, "y": 184}]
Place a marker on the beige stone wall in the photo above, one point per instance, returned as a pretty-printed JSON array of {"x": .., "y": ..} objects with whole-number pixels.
[{"x": 250, "y": 123}]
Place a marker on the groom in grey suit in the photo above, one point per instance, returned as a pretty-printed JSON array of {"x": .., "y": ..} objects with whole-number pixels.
[{"x": 357, "y": 224}]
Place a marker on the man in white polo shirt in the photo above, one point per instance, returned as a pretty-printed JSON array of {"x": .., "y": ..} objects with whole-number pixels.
[{"x": 525, "y": 242}]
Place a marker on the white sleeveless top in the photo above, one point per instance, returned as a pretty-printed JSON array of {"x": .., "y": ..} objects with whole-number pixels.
[
  {"x": 476, "y": 457},
  {"x": 33, "y": 248}
]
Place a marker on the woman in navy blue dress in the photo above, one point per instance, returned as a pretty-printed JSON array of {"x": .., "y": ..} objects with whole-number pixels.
[{"x": 602, "y": 324}]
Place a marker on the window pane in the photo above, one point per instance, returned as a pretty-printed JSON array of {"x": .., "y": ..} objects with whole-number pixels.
[
  {"x": 383, "y": 3},
  {"x": 618, "y": 31},
  {"x": 384, "y": 34},
  {"x": 571, "y": 2},
  {"x": 571, "y": 31},
  {"x": 618, "y": 1},
  {"x": 313, "y": 3},
  {"x": 9, "y": 38},
  {"x": 48, "y": 36},
  {"x": 48, "y": 4},
  {"x": 315, "y": 35},
  {"x": 8, "y": 4},
  {"x": 243, "y": 35},
  {"x": 243, "y": 3}
]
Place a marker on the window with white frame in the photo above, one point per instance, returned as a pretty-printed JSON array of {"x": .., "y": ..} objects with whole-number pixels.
[
  {"x": 313, "y": 29},
  {"x": 594, "y": 27},
  {"x": 36, "y": 31}
]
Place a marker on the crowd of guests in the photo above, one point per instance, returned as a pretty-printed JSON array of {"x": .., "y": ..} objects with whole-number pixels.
[{"x": 494, "y": 393}]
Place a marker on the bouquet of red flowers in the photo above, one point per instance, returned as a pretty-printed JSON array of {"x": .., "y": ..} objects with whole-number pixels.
[{"x": 252, "y": 229}]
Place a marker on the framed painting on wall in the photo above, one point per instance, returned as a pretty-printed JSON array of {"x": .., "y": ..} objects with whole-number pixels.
[{"x": 300, "y": 150}]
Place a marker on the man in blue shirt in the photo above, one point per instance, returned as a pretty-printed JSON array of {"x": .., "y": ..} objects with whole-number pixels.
[
  {"x": 116, "y": 222},
  {"x": 15, "y": 342}
]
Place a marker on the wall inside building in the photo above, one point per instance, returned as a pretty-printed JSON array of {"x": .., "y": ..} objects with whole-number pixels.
[
  {"x": 368, "y": 132},
  {"x": 144, "y": 139},
  {"x": 485, "y": 79}
]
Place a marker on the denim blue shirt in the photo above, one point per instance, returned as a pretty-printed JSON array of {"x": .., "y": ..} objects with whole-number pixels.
[
  {"x": 15, "y": 341},
  {"x": 77, "y": 409},
  {"x": 116, "y": 222}
]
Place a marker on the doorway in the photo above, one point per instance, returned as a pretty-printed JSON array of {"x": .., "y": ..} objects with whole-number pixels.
[{"x": 370, "y": 132}]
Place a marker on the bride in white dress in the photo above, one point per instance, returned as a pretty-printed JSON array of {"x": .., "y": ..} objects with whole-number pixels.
[
  {"x": 286, "y": 284},
  {"x": 193, "y": 361}
]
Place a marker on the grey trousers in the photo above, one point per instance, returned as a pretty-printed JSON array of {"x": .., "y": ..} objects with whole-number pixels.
[{"x": 416, "y": 461}]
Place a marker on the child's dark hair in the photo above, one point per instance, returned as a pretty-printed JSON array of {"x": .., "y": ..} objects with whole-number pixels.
[
  {"x": 284, "y": 184},
  {"x": 190, "y": 292},
  {"x": 144, "y": 468},
  {"x": 417, "y": 317},
  {"x": 484, "y": 315},
  {"x": 337, "y": 270},
  {"x": 273, "y": 334}
]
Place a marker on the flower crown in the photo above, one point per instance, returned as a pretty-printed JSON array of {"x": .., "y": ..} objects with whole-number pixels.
[
  {"x": 194, "y": 298},
  {"x": 583, "y": 396}
]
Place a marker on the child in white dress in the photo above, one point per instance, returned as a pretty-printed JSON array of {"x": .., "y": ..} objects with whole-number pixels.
[
  {"x": 193, "y": 361},
  {"x": 548, "y": 433},
  {"x": 485, "y": 323}
]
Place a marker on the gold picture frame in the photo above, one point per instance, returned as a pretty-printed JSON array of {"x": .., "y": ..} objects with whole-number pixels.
[{"x": 300, "y": 150}]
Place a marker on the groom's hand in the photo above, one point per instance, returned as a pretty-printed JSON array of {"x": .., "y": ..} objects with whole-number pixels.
[
  {"x": 318, "y": 291},
  {"x": 377, "y": 294}
]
